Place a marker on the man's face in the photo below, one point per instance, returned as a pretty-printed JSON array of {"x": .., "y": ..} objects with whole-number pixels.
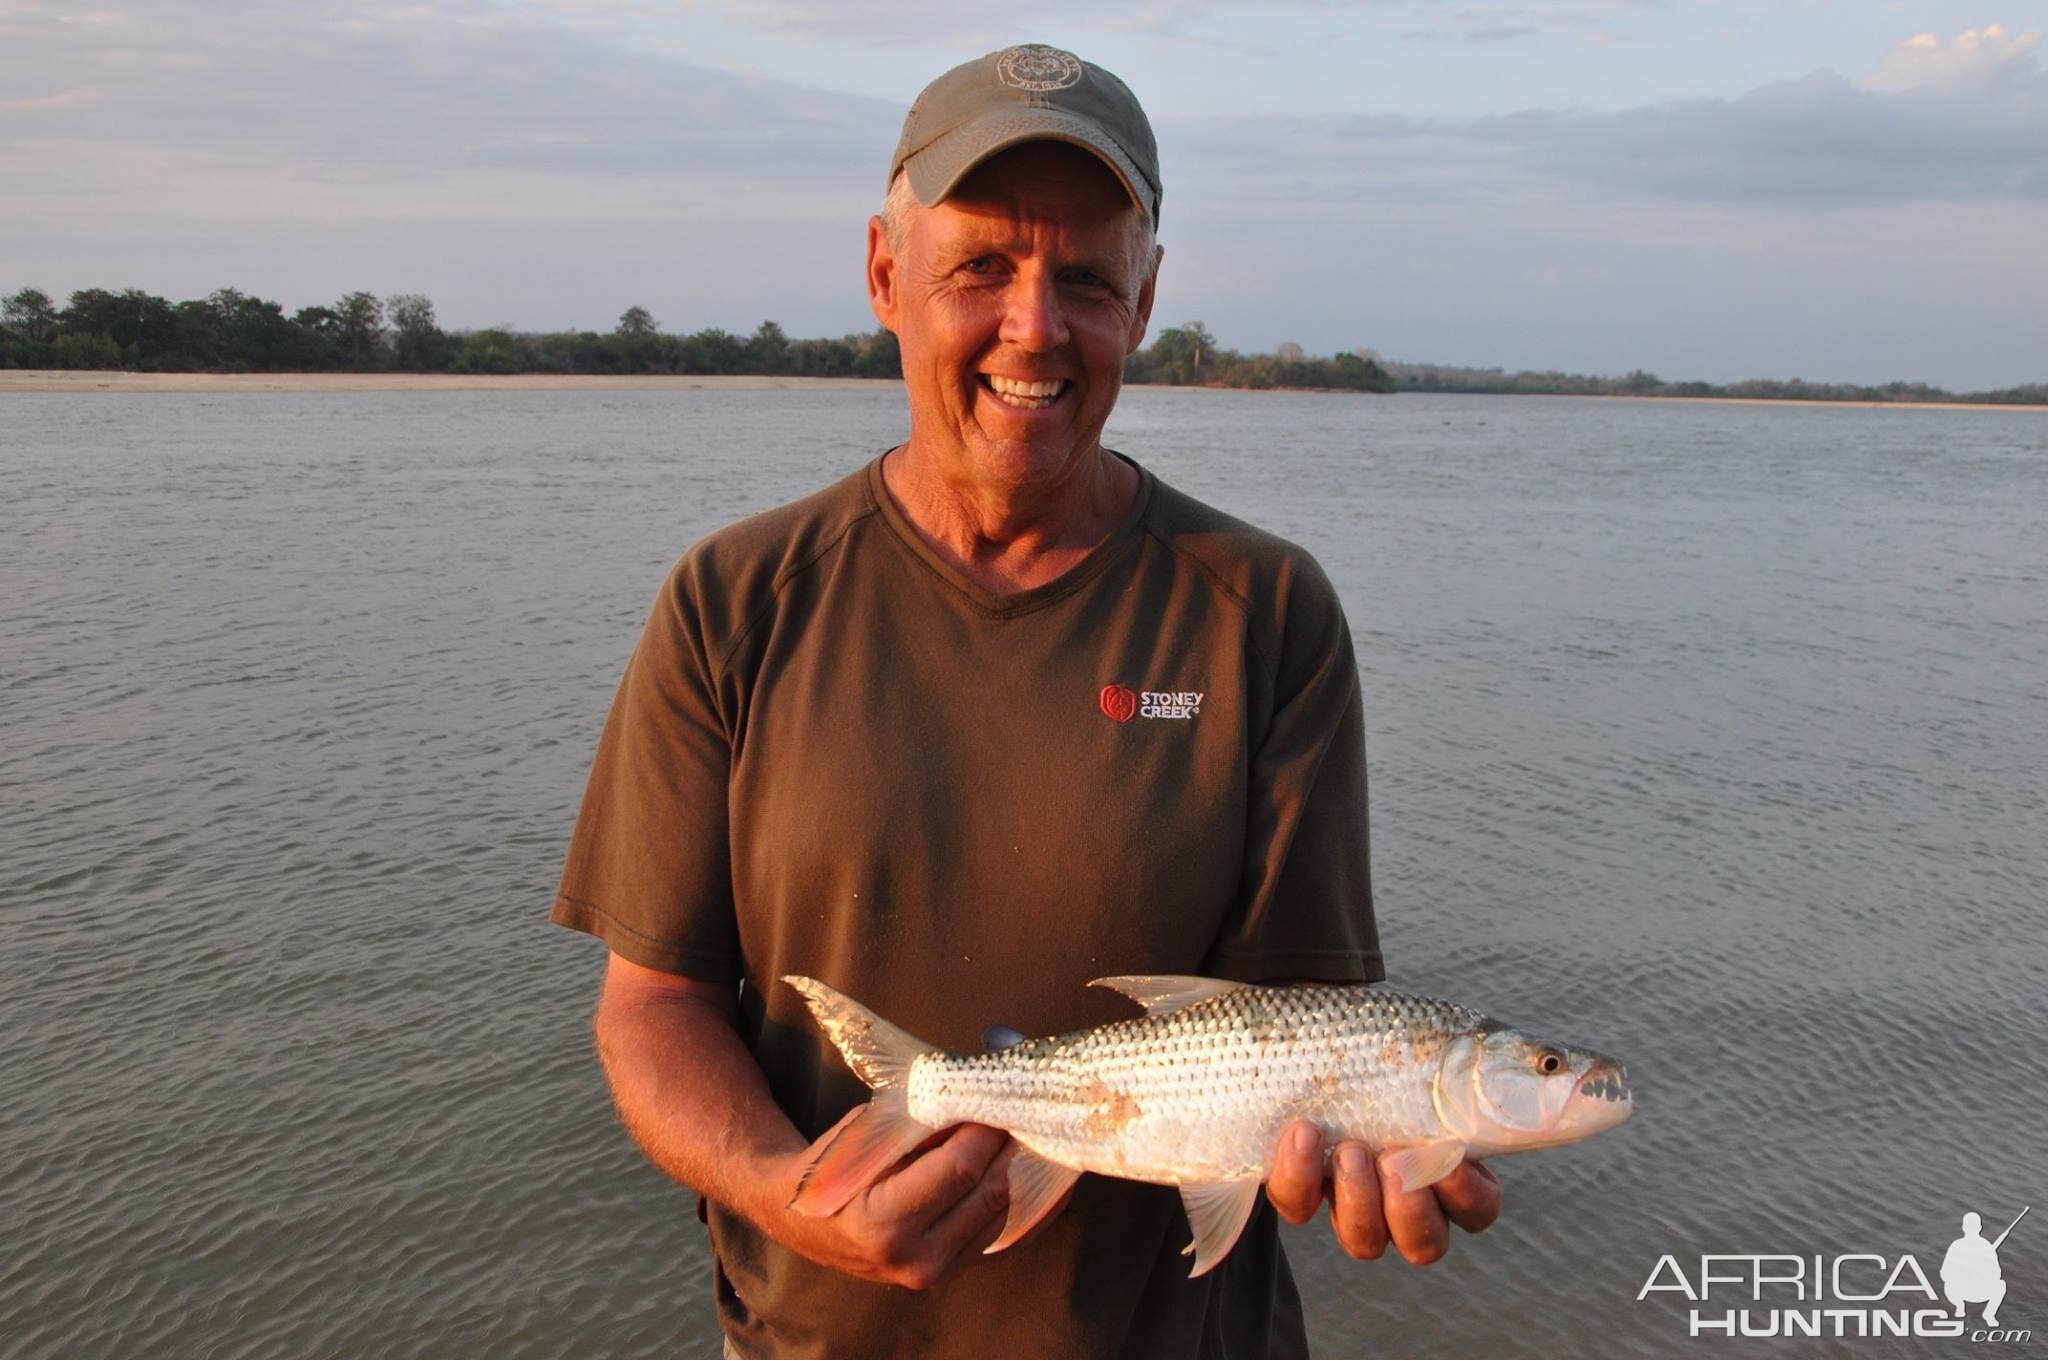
[{"x": 1028, "y": 274}]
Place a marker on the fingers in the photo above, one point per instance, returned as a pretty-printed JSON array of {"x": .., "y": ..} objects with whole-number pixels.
[
  {"x": 1470, "y": 1196},
  {"x": 1356, "y": 1211},
  {"x": 1415, "y": 1221},
  {"x": 912, "y": 1226},
  {"x": 936, "y": 1180},
  {"x": 977, "y": 1218},
  {"x": 1296, "y": 1183}
]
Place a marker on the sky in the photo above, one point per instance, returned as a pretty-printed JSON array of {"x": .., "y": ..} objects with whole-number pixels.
[{"x": 1839, "y": 190}]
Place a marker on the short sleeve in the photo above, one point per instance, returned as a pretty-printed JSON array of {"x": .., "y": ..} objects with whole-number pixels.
[
  {"x": 649, "y": 869},
  {"x": 1305, "y": 902}
]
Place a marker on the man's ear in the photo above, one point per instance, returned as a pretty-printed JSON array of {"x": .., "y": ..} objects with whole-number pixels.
[
  {"x": 881, "y": 275},
  {"x": 1142, "y": 317}
]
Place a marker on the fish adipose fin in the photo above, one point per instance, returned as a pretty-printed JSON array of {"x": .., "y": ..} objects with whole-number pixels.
[
  {"x": 1217, "y": 1213},
  {"x": 998, "y": 1038},
  {"x": 1425, "y": 1163},
  {"x": 880, "y": 1135},
  {"x": 1036, "y": 1184},
  {"x": 1163, "y": 993}
]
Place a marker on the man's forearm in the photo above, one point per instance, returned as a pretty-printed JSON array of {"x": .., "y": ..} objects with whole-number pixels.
[
  {"x": 694, "y": 1099},
  {"x": 696, "y": 1102}
]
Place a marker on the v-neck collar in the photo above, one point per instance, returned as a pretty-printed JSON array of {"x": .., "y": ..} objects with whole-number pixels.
[{"x": 1022, "y": 601}]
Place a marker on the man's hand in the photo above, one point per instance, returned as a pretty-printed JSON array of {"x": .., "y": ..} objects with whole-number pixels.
[
  {"x": 1366, "y": 1210},
  {"x": 916, "y": 1223},
  {"x": 696, "y": 1102}
]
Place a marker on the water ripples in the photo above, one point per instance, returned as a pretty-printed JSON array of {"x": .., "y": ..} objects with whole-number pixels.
[{"x": 1710, "y": 735}]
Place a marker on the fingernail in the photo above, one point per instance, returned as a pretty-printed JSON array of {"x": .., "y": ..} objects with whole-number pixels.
[
  {"x": 1351, "y": 1160},
  {"x": 1306, "y": 1138}
]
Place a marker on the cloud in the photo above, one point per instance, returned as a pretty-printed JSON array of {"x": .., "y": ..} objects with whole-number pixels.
[
  {"x": 1977, "y": 58},
  {"x": 1817, "y": 142},
  {"x": 921, "y": 20},
  {"x": 447, "y": 85},
  {"x": 1973, "y": 126}
]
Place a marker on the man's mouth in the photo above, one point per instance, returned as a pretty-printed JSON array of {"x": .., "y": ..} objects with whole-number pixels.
[{"x": 1025, "y": 396}]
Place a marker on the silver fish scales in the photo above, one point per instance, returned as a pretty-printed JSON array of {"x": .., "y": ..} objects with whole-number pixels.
[{"x": 1194, "y": 1094}]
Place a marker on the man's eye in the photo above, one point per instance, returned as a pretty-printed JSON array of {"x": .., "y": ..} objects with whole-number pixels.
[{"x": 980, "y": 264}]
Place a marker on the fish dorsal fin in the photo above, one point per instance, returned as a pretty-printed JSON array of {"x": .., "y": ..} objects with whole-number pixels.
[
  {"x": 1217, "y": 1214},
  {"x": 1165, "y": 993},
  {"x": 1036, "y": 1185}
]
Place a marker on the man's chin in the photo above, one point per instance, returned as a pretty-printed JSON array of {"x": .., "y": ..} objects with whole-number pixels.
[{"x": 1022, "y": 463}]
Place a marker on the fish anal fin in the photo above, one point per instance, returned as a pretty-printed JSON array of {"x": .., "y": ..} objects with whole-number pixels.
[
  {"x": 1165, "y": 993},
  {"x": 1036, "y": 1185},
  {"x": 876, "y": 1139},
  {"x": 1425, "y": 1163},
  {"x": 1217, "y": 1213}
]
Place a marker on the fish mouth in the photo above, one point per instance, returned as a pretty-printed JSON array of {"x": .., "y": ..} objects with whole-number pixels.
[
  {"x": 1606, "y": 1081},
  {"x": 1600, "y": 1101}
]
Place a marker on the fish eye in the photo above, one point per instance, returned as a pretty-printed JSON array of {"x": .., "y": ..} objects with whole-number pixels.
[{"x": 1550, "y": 1063}]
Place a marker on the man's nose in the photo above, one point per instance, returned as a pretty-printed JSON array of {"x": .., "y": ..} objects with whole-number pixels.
[{"x": 1032, "y": 316}]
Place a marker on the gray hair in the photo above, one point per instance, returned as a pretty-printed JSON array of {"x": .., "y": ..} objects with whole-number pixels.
[{"x": 901, "y": 203}]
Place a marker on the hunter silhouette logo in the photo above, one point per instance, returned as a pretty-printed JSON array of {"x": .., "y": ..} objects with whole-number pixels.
[{"x": 1970, "y": 1274}]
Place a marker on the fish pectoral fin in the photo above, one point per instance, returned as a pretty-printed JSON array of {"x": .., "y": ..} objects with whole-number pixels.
[
  {"x": 1165, "y": 993},
  {"x": 1425, "y": 1163},
  {"x": 1036, "y": 1185},
  {"x": 1217, "y": 1213}
]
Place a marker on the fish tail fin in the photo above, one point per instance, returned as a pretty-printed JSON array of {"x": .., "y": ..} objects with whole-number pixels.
[
  {"x": 881, "y": 1135},
  {"x": 879, "y": 1053}
]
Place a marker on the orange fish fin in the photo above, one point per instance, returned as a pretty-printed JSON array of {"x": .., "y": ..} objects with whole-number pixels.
[
  {"x": 1217, "y": 1213},
  {"x": 1036, "y": 1185},
  {"x": 878, "y": 1137}
]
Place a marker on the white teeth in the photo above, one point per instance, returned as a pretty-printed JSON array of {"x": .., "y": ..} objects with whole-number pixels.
[{"x": 1028, "y": 396}]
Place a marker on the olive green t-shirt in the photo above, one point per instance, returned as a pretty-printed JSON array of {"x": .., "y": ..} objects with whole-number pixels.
[{"x": 833, "y": 755}]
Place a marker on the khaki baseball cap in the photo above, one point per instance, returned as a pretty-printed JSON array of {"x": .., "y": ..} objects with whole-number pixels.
[{"x": 1031, "y": 93}]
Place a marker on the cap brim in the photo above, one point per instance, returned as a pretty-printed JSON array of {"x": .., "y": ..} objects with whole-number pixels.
[{"x": 936, "y": 170}]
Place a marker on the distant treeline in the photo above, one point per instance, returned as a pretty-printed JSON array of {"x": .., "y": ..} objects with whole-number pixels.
[
  {"x": 230, "y": 331},
  {"x": 1188, "y": 356},
  {"x": 1447, "y": 378},
  {"x": 233, "y": 332}
]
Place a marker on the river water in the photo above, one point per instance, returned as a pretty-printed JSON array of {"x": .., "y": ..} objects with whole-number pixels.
[{"x": 1708, "y": 735}]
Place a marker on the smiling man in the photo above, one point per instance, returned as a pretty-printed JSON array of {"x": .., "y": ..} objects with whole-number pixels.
[{"x": 998, "y": 713}]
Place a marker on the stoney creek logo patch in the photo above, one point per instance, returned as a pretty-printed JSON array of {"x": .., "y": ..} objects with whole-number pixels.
[{"x": 1122, "y": 704}]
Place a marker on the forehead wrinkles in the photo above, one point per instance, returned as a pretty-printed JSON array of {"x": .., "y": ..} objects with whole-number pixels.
[{"x": 1110, "y": 241}]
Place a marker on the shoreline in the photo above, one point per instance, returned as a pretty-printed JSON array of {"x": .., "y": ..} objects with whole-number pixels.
[
  {"x": 106, "y": 380},
  {"x": 103, "y": 380}
]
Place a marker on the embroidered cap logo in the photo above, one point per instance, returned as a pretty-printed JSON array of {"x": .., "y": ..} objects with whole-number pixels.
[
  {"x": 1038, "y": 68},
  {"x": 1119, "y": 703}
]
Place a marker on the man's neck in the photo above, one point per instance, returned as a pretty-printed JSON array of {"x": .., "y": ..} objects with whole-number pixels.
[{"x": 1011, "y": 539}]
